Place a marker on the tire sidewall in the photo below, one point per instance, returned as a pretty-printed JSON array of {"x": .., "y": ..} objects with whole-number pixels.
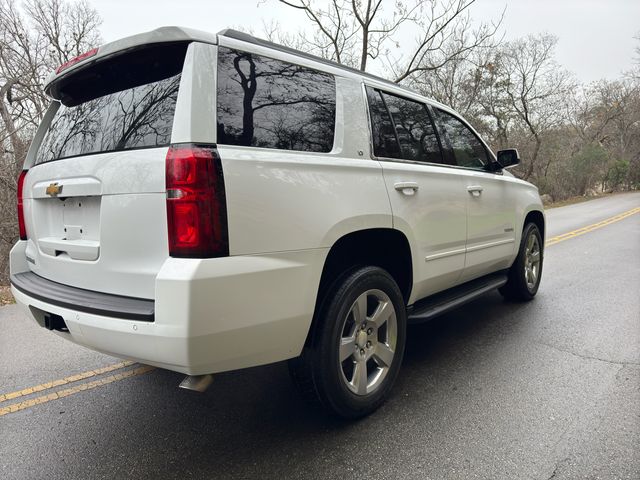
[
  {"x": 334, "y": 311},
  {"x": 530, "y": 229}
]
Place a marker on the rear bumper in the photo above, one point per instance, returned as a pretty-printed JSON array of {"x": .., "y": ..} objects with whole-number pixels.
[
  {"x": 82, "y": 300},
  {"x": 210, "y": 315}
]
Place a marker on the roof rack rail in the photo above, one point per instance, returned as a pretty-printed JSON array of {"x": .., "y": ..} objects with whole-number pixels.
[{"x": 245, "y": 37}]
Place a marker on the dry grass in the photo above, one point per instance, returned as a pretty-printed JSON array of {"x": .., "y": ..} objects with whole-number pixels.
[
  {"x": 572, "y": 200},
  {"x": 5, "y": 296}
]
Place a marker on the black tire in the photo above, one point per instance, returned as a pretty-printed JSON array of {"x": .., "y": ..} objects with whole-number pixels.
[
  {"x": 320, "y": 375},
  {"x": 518, "y": 288}
]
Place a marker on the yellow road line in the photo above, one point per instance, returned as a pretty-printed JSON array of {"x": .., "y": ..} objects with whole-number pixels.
[
  {"x": 16, "y": 407},
  {"x": 591, "y": 228},
  {"x": 56, "y": 383}
]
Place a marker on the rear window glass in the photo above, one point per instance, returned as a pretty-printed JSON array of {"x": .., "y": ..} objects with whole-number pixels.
[
  {"x": 122, "y": 103},
  {"x": 263, "y": 102}
]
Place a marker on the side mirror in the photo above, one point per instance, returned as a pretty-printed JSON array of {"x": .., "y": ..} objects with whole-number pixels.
[{"x": 508, "y": 157}]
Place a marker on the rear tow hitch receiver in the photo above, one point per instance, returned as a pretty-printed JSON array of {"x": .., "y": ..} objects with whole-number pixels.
[
  {"x": 55, "y": 322},
  {"x": 197, "y": 383}
]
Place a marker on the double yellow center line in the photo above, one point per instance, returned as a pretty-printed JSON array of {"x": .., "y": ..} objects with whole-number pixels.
[
  {"x": 16, "y": 407},
  {"x": 121, "y": 368},
  {"x": 592, "y": 227}
]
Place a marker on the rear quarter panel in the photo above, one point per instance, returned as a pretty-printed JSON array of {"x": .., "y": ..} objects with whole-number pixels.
[{"x": 281, "y": 200}]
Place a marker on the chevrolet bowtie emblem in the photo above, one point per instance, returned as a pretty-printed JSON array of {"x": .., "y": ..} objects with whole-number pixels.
[{"x": 54, "y": 189}]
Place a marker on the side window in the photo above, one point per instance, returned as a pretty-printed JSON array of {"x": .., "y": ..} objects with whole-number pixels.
[
  {"x": 402, "y": 128},
  {"x": 416, "y": 133},
  {"x": 263, "y": 102},
  {"x": 464, "y": 145},
  {"x": 385, "y": 141}
]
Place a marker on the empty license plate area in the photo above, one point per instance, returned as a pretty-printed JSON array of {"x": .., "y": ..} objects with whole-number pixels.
[
  {"x": 81, "y": 218},
  {"x": 69, "y": 228}
]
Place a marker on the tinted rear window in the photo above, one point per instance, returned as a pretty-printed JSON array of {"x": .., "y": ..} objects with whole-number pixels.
[
  {"x": 263, "y": 102},
  {"x": 118, "y": 104}
]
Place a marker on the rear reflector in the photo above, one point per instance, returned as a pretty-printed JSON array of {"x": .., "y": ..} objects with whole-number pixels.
[
  {"x": 77, "y": 59},
  {"x": 196, "y": 205},
  {"x": 21, "y": 226}
]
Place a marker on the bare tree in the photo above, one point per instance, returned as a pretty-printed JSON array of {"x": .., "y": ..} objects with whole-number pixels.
[
  {"x": 35, "y": 37},
  {"x": 535, "y": 87},
  {"x": 353, "y": 32}
]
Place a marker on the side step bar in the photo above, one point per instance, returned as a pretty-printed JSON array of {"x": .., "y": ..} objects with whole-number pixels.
[{"x": 442, "y": 302}]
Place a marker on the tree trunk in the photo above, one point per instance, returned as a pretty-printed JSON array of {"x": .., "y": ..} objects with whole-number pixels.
[
  {"x": 534, "y": 158},
  {"x": 17, "y": 144}
]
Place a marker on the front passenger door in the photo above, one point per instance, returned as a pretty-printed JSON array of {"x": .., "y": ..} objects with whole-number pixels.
[{"x": 490, "y": 197}]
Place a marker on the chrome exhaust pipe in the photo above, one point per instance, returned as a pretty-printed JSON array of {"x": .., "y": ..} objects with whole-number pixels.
[{"x": 197, "y": 383}]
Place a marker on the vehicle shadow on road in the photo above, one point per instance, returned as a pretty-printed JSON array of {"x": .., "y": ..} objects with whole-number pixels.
[{"x": 252, "y": 423}]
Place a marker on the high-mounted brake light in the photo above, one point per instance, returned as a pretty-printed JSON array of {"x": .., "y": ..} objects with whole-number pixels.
[
  {"x": 77, "y": 59},
  {"x": 21, "y": 225},
  {"x": 196, "y": 205}
]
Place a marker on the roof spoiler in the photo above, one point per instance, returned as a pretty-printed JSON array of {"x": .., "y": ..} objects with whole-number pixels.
[{"x": 159, "y": 35}]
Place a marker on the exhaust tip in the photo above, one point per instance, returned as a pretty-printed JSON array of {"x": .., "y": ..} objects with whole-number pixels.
[
  {"x": 197, "y": 383},
  {"x": 55, "y": 322}
]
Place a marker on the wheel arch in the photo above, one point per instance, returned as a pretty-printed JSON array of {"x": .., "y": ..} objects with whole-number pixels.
[
  {"x": 386, "y": 248},
  {"x": 536, "y": 217}
]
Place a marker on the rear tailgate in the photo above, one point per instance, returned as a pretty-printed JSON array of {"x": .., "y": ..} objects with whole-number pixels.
[{"x": 94, "y": 199}]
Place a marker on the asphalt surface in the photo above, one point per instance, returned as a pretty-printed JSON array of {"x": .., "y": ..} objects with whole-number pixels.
[{"x": 494, "y": 390}]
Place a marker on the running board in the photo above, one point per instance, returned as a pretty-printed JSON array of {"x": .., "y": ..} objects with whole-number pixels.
[{"x": 442, "y": 302}]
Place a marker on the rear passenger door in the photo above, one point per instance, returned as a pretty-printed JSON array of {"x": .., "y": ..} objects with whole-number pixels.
[
  {"x": 491, "y": 211},
  {"x": 428, "y": 198}
]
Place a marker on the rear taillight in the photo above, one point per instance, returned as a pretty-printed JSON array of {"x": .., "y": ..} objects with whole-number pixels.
[
  {"x": 196, "y": 205},
  {"x": 21, "y": 225}
]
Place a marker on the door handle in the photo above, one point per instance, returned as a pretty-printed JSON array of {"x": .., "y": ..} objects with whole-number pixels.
[
  {"x": 406, "y": 188},
  {"x": 475, "y": 190}
]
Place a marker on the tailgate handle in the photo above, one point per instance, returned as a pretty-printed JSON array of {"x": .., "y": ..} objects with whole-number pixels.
[
  {"x": 76, "y": 249},
  {"x": 67, "y": 187}
]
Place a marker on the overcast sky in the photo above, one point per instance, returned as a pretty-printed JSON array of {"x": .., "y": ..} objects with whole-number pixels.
[{"x": 595, "y": 36}]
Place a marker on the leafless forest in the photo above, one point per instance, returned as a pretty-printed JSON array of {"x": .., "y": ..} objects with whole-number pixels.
[{"x": 574, "y": 139}]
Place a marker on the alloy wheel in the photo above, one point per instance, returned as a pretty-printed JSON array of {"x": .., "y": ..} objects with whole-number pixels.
[{"x": 368, "y": 342}]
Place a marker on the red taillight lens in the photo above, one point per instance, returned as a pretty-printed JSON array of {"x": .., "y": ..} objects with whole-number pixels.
[
  {"x": 21, "y": 225},
  {"x": 77, "y": 59},
  {"x": 196, "y": 205}
]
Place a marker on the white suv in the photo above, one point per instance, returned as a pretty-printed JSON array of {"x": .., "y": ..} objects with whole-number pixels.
[{"x": 206, "y": 203}]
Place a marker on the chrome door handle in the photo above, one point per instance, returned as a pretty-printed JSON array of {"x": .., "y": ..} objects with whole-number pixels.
[
  {"x": 475, "y": 190},
  {"x": 406, "y": 188}
]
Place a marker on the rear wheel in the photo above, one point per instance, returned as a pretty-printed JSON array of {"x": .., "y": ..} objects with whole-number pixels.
[
  {"x": 357, "y": 345},
  {"x": 526, "y": 271}
]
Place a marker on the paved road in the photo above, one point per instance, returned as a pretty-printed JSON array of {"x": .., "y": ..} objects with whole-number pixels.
[{"x": 495, "y": 390}]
